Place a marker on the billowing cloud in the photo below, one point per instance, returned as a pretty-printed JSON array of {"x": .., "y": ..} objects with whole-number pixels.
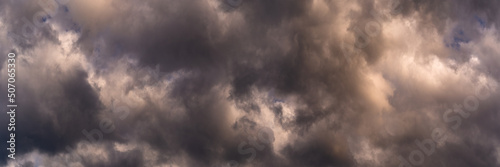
[{"x": 253, "y": 82}]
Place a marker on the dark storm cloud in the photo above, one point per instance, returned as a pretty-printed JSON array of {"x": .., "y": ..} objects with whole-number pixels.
[
  {"x": 54, "y": 117},
  {"x": 285, "y": 47},
  {"x": 194, "y": 41}
]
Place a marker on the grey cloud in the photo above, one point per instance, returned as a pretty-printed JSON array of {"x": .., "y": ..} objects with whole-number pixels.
[{"x": 226, "y": 56}]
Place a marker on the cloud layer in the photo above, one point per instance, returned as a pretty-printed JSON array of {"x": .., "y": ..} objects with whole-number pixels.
[{"x": 254, "y": 82}]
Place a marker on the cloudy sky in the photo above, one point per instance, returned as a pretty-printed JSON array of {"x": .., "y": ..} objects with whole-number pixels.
[{"x": 225, "y": 83}]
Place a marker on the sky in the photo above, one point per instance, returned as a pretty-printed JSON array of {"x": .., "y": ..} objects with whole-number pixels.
[{"x": 226, "y": 83}]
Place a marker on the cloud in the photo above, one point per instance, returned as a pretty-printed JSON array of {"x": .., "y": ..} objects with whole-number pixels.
[{"x": 253, "y": 82}]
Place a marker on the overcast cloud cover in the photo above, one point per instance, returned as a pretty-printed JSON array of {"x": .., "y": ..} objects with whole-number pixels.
[{"x": 328, "y": 83}]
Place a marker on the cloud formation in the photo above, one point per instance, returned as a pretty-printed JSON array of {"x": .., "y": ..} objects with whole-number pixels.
[{"x": 254, "y": 82}]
